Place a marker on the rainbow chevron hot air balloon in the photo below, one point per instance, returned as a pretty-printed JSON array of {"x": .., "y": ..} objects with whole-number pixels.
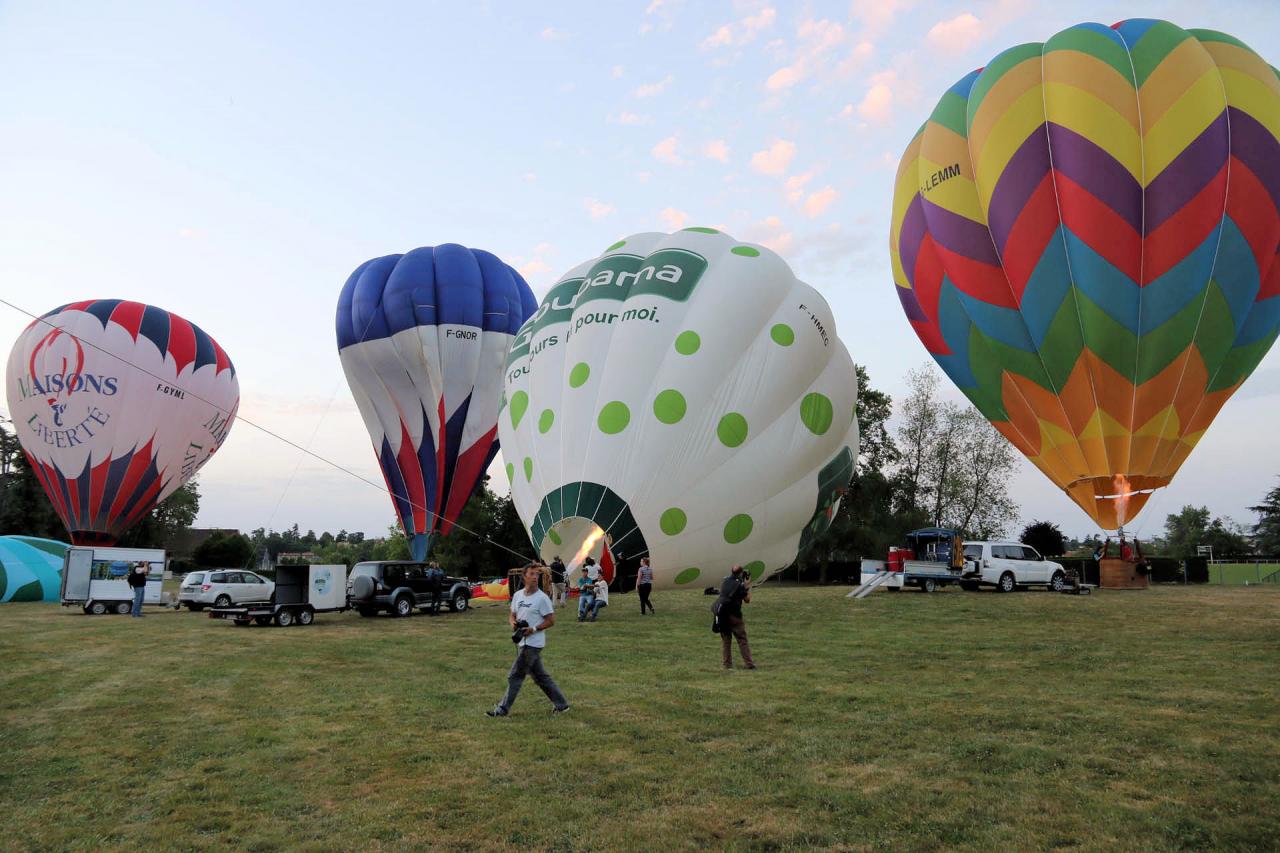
[{"x": 1084, "y": 237}]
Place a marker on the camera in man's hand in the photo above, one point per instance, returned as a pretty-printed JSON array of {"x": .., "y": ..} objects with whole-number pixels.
[{"x": 518, "y": 634}]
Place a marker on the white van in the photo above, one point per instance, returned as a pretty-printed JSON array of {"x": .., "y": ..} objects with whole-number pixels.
[{"x": 1009, "y": 565}]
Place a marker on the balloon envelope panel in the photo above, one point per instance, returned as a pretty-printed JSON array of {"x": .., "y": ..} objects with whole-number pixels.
[
  {"x": 422, "y": 338},
  {"x": 1084, "y": 238},
  {"x": 117, "y": 404},
  {"x": 685, "y": 394}
]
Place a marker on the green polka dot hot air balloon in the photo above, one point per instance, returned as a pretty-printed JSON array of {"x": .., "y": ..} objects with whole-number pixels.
[{"x": 696, "y": 407}]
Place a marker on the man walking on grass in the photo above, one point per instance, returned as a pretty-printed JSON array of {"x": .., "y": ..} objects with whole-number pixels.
[{"x": 533, "y": 608}]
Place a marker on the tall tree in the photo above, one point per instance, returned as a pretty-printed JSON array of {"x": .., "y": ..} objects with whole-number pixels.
[
  {"x": 1046, "y": 537},
  {"x": 1186, "y": 529},
  {"x": 986, "y": 467},
  {"x": 224, "y": 550},
  {"x": 1266, "y": 533},
  {"x": 919, "y": 412}
]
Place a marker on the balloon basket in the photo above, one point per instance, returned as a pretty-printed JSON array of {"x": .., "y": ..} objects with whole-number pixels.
[{"x": 1115, "y": 573}]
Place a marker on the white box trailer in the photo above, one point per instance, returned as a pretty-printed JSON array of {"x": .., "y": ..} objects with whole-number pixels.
[
  {"x": 300, "y": 593},
  {"x": 96, "y": 579}
]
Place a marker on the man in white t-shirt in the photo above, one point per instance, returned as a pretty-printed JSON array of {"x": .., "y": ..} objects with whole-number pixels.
[{"x": 531, "y": 606}]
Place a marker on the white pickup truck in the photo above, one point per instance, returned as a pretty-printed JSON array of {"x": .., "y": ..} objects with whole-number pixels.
[{"x": 1009, "y": 565}]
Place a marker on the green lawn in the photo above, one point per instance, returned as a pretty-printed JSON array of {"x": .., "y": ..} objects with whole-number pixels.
[
  {"x": 1240, "y": 573},
  {"x": 1122, "y": 720}
]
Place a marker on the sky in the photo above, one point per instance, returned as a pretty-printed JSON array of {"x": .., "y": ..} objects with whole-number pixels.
[{"x": 233, "y": 163}]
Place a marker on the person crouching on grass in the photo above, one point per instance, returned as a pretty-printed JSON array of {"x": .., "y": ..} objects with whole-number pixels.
[{"x": 531, "y": 615}]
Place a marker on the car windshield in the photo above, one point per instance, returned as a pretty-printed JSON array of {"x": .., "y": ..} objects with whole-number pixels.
[{"x": 365, "y": 570}]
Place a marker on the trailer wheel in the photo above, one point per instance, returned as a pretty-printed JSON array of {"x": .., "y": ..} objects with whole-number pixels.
[
  {"x": 306, "y": 616},
  {"x": 1007, "y": 582},
  {"x": 96, "y": 608},
  {"x": 123, "y": 608},
  {"x": 262, "y": 620},
  {"x": 928, "y": 585},
  {"x": 284, "y": 618},
  {"x": 403, "y": 606},
  {"x": 460, "y": 602},
  {"x": 1059, "y": 582}
]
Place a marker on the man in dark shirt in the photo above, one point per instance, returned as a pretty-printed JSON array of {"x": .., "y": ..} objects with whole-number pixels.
[
  {"x": 138, "y": 584},
  {"x": 557, "y": 582},
  {"x": 735, "y": 591}
]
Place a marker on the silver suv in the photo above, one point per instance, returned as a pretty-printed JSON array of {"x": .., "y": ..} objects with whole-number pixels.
[{"x": 223, "y": 588}]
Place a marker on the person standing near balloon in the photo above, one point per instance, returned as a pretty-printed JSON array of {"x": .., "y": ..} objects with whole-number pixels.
[
  {"x": 138, "y": 583},
  {"x": 530, "y": 617},
  {"x": 735, "y": 591},
  {"x": 557, "y": 582},
  {"x": 644, "y": 585}
]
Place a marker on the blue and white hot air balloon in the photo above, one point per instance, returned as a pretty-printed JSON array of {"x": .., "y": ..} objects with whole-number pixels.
[{"x": 423, "y": 339}]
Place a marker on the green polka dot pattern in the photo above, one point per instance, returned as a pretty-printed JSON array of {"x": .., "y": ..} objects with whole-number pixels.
[
  {"x": 732, "y": 430},
  {"x": 687, "y": 343},
  {"x": 511, "y": 472},
  {"x": 755, "y": 568},
  {"x": 738, "y": 528},
  {"x": 701, "y": 230},
  {"x": 528, "y": 469},
  {"x": 817, "y": 413},
  {"x": 545, "y": 420},
  {"x": 614, "y": 418},
  {"x": 617, "y": 245},
  {"x": 554, "y": 537},
  {"x": 745, "y": 251},
  {"x": 519, "y": 405},
  {"x": 669, "y": 406},
  {"x": 782, "y": 335},
  {"x": 673, "y": 521},
  {"x": 688, "y": 576},
  {"x": 578, "y": 376}
]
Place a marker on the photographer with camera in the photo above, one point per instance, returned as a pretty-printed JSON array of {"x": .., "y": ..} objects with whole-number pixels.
[
  {"x": 734, "y": 592},
  {"x": 531, "y": 615}
]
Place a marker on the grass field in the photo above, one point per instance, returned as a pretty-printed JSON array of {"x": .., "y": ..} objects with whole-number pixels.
[
  {"x": 1240, "y": 573},
  {"x": 1122, "y": 720}
]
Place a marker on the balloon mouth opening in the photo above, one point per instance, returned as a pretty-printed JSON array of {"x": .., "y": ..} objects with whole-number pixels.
[
  {"x": 573, "y": 540},
  {"x": 1114, "y": 500},
  {"x": 92, "y": 538}
]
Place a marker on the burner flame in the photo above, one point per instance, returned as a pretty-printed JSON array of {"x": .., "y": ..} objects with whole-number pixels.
[
  {"x": 1123, "y": 491},
  {"x": 585, "y": 550}
]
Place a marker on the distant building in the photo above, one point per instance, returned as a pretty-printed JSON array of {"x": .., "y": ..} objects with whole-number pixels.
[{"x": 294, "y": 557}]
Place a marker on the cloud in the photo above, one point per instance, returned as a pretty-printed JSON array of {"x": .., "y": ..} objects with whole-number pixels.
[
  {"x": 552, "y": 34},
  {"x": 775, "y": 159},
  {"x": 741, "y": 32},
  {"x": 674, "y": 219},
  {"x": 817, "y": 203},
  {"x": 772, "y": 234},
  {"x": 649, "y": 90},
  {"x": 956, "y": 35},
  {"x": 817, "y": 39},
  {"x": 794, "y": 186},
  {"x": 876, "y": 105},
  {"x": 628, "y": 118},
  {"x": 665, "y": 151},
  {"x": 877, "y": 15},
  {"x": 596, "y": 208},
  {"x": 717, "y": 149},
  {"x": 784, "y": 78}
]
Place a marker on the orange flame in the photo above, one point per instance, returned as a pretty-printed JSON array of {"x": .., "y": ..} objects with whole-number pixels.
[
  {"x": 587, "y": 544},
  {"x": 1123, "y": 491}
]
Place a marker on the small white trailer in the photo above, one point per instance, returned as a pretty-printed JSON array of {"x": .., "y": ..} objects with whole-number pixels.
[
  {"x": 300, "y": 593},
  {"x": 97, "y": 579}
]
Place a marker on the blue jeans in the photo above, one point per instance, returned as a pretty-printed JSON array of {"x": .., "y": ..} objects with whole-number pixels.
[
  {"x": 584, "y": 604},
  {"x": 138, "y": 592},
  {"x": 595, "y": 607}
]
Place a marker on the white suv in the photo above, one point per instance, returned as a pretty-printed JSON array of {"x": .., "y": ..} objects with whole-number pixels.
[
  {"x": 223, "y": 588},
  {"x": 1009, "y": 565}
]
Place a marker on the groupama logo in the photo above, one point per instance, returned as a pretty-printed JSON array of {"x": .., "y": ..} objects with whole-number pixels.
[{"x": 670, "y": 273}]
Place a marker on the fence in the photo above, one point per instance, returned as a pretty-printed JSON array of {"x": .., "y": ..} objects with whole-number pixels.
[{"x": 1241, "y": 573}]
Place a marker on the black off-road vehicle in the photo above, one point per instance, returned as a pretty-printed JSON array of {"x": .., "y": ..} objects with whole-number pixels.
[{"x": 399, "y": 586}]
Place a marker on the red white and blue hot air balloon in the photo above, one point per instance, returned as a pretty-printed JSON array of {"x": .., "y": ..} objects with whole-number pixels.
[
  {"x": 117, "y": 404},
  {"x": 423, "y": 339}
]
